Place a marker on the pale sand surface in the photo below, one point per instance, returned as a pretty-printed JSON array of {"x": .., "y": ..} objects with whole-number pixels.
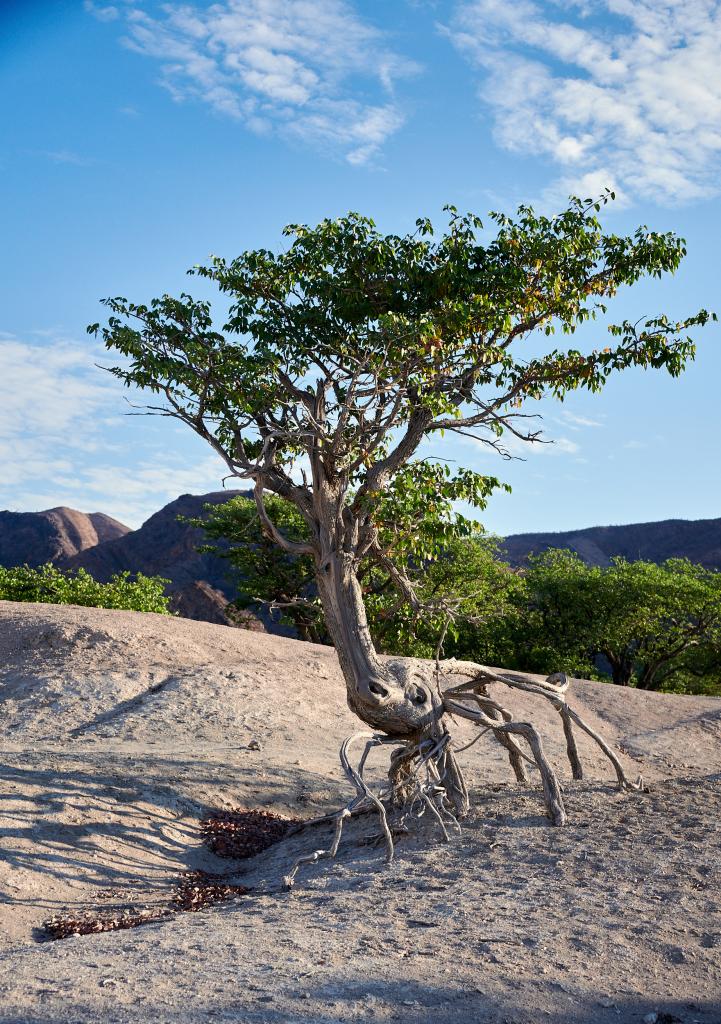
[{"x": 120, "y": 731}]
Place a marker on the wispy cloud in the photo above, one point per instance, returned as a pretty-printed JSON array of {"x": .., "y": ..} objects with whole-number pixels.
[
  {"x": 130, "y": 494},
  {"x": 133, "y": 493},
  {"x": 520, "y": 449},
  {"x": 574, "y": 421},
  {"x": 65, "y": 156},
  {"x": 558, "y": 446},
  {"x": 103, "y": 12},
  {"x": 63, "y": 440},
  {"x": 307, "y": 69},
  {"x": 52, "y": 390},
  {"x": 618, "y": 93}
]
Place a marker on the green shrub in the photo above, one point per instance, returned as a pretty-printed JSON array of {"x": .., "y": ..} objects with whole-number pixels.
[
  {"x": 655, "y": 627},
  {"x": 49, "y": 585}
]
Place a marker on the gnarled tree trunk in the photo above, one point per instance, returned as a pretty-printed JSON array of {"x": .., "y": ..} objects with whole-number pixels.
[
  {"x": 403, "y": 703},
  {"x": 386, "y": 695}
]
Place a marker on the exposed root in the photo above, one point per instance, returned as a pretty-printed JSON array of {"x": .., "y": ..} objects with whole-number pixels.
[
  {"x": 364, "y": 797},
  {"x": 571, "y": 748},
  {"x": 515, "y": 755},
  {"x": 425, "y": 777},
  {"x": 553, "y": 689},
  {"x": 503, "y": 724}
]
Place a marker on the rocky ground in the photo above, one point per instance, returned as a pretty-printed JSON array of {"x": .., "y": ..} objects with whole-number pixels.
[{"x": 121, "y": 732}]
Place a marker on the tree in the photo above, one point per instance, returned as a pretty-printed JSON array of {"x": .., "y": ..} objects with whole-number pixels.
[
  {"x": 652, "y": 624},
  {"x": 466, "y": 576},
  {"x": 339, "y": 356},
  {"x": 660, "y": 617}
]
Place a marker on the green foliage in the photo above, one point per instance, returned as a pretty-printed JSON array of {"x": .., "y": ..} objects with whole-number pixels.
[
  {"x": 654, "y": 626},
  {"x": 466, "y": 572},
  {"x": 49, "y": 585},
  {"x": 467, "y": 577},
  {"x": 264, "y": 573},
  {"x": 406, "y": 326},
  {"x": 417, "y": 516},
  {"x": 650, "y": 626}
]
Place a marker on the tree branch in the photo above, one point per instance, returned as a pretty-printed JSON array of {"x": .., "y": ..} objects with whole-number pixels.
[{"x": 272, "y": 531}]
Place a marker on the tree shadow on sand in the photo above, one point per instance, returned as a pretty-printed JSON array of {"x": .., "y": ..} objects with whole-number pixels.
[
  {"x": 118, "y": 825},
  {"x": 336, "y": 1002}
]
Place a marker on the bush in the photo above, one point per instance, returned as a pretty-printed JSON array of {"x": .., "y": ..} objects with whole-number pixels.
[{"x": 49, "y": 585}]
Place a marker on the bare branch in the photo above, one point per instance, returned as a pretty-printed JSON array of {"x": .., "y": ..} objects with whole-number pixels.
[{"x": 269, "y": 527}]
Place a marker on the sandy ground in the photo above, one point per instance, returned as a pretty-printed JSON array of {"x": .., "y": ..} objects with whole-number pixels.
[{"x": 120, "y": 731}]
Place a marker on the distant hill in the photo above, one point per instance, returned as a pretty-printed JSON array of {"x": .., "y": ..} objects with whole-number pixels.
[
  {"x": 696, "y": 539},
  {"x": 201, "y": 586},
  {"x": 53, "y": 535},
  {"x": 163, "y": 546}
]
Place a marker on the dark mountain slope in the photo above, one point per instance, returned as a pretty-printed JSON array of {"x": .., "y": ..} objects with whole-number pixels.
[
  {"x": 163, "y": 546},
  {"x": 200, "y": 583},
  {"x": 698, "y": 540},
  {"x": 53, "y": 535}
]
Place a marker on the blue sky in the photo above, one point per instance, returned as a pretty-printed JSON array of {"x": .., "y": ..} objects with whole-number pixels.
[{"x": 140, "y": 137}]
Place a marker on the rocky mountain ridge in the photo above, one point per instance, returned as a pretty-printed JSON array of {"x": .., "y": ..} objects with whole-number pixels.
[
  {"x": 53, "y": 535},
  {"x": 699, "y": 540},
  {"x": 202, "y": 585}
]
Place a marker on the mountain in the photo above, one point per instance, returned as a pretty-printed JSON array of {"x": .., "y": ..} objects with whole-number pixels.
[
  {"x": 201, "y": 586},
  {"x": 163, "y": 546},
  {"x": 53, "y": 535},
  {"x": 696, "y": 539}
]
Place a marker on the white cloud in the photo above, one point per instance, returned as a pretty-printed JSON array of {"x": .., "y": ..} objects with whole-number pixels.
[
  {"x": 65, "y": 156},
  {"x": 133, "y": 493},
  {"x": 617, "y": 93},
  {"x": 102, "y": 12},
  {"x": 50, "y": 390},
  {"x": 561, "y": 446},
  {"x": 163, "y": 475},
  {"x": 309, "y": 69},
  {"x": 518, "y": 448},
  {"x": 591, "y": 184},
  {"x": 130, "y": 494},
  {"x": 574, "y": 420},
  {"x": 63, "y": 440}
]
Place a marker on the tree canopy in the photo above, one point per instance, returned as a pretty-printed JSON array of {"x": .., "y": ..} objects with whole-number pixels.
[
  {"x": 651, "y": 626},
  {"x": 342, "y": 352}
]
